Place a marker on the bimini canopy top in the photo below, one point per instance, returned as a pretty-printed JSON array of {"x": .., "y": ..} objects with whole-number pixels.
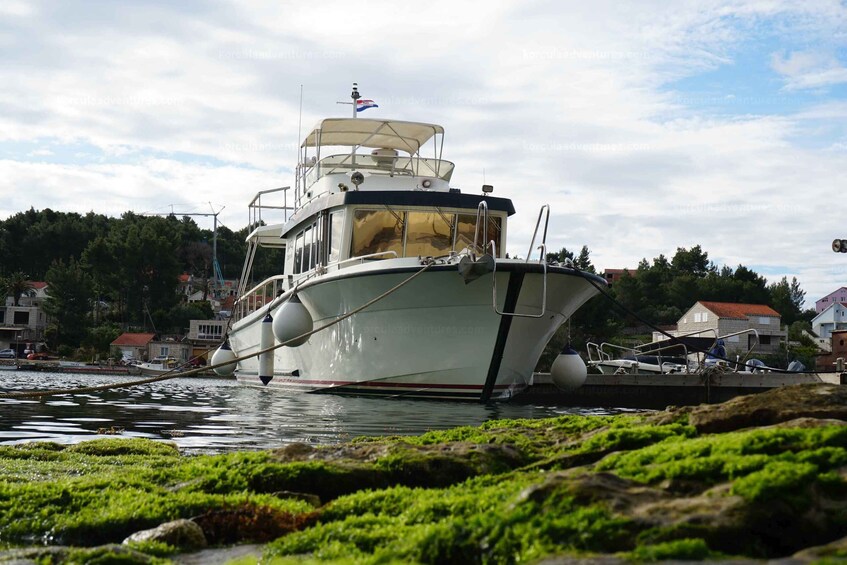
[{"x": 377, "y": 134}]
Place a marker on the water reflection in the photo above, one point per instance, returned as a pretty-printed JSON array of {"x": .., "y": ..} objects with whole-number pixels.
[{"x": 215, "y": 415}]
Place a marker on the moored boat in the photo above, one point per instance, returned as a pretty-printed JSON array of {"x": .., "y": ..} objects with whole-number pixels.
[
  {"x": 369, "y": 213},
  {"x": 157, "y": 366}
]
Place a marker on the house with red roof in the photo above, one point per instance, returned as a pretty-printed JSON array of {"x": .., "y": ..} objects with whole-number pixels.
[
  {"x": 614, "y": 275},
  {"x": 132, "y": 345},
  {"x": 737, "y": 324}
]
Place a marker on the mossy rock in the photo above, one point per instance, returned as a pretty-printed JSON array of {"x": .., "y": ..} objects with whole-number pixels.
[
  {"x": 686, "y": 484},
  {"x": 818, "y": 401}
]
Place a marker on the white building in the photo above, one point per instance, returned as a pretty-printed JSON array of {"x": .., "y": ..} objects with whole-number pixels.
[{"x": 834, "y": 317}]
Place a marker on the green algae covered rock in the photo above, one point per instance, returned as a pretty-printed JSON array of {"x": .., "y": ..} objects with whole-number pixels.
[{"x": 756, "y": 478}]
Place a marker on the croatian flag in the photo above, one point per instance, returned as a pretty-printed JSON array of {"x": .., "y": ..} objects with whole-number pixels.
[{"x": 365, "y": 104}]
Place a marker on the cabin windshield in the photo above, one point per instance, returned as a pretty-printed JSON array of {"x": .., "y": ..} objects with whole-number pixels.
[{"x": 417, "y": 233}]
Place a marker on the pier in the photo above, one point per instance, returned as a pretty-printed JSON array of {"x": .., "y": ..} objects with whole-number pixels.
[{"x": 660, "y": 391}]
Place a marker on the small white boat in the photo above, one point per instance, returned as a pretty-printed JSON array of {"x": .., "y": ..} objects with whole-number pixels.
[{"x": 159, "y": 366}]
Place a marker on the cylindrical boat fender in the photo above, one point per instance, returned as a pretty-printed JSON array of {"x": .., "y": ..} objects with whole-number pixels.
[
  {"x": 223, "y": 354},
  {"x": 568, "y": 371},
  {"x": 292, "y": 320},
  {"x": 266, "y": 340}
]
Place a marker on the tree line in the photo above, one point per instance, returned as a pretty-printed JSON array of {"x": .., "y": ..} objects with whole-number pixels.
[{"x": 106, "y": 275}]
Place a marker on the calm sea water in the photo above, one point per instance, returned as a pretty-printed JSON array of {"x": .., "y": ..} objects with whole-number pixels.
[{"x": 211, "y": 415}]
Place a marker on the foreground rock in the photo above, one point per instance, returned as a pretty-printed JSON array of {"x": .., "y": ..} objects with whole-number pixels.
[
  {"x": 775, "y": 406},
  {"x": 759, "y": 478},
  {"x": 181, "y": 534}
]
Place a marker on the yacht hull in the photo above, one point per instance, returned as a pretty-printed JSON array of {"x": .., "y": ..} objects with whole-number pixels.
[{"x": 436, "y": 337}]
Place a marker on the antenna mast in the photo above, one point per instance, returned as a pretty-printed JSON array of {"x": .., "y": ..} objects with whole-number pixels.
[{"x": 355, "y": 96}]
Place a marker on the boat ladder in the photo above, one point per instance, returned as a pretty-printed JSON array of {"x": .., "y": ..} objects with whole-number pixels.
[{"x": 544, "y": 213}]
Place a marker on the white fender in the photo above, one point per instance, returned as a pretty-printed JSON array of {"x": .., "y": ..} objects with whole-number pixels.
[
  {"x": 266, "y": 340},
  {"x": 568, "y": 371},
  {"x": 223, "y": 354},
  {"x": 292, "y": 320}
]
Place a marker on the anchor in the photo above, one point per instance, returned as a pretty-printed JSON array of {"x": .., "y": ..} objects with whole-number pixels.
[{"x": 471, "y": 269}]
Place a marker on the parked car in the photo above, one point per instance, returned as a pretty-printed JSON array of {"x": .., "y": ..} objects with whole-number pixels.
[
  {"x": 38, "y": 357},
  {"x": 7, "y": 354}
]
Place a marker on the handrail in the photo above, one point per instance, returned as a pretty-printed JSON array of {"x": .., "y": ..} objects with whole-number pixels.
[
  {"x": 249, "y": 303},
  {"x": 603, "y": 355},
  {"x": 361, "y": 258},
  {"x": 255, "y": 206},
  {"x": 389, "y": 165},
  {"x": 743, "y": 360},
  {"x": 482, "y": 208},
  {"x": 543, "y": 258},
  {"x": 494, "y": 288}
]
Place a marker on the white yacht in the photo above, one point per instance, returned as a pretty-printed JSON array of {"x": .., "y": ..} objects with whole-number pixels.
[{"x": 369, "y": 211}]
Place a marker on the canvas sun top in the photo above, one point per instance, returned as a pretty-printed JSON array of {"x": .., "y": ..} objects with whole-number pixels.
[{"x": 382, "y": 134}]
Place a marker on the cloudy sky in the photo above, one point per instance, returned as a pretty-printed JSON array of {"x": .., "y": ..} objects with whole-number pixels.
[{"x": 646, "y": 126}]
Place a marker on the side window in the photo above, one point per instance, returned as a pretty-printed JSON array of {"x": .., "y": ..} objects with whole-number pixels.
[
  {"x": 298, "y": 252},
  {"x": 336, "y": 223},
  {"x": 317, "y": 249},
  {"x": 308, "y": 250}
]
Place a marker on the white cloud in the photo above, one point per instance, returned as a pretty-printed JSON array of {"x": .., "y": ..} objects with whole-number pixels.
[
  {"x": 571, "y": 104},
  {"x": 808, "y": 70}
]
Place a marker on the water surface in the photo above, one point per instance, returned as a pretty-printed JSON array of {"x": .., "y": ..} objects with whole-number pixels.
[{"x": 213, "y": 415}]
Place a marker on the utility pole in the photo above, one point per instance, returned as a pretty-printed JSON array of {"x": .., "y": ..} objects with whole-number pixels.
[{"x": 217, "y": 275}]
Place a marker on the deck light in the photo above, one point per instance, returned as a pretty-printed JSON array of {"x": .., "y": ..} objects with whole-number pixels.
[
  {"x": 486, "y": 188},
  {"x": 839, "y": 245}
]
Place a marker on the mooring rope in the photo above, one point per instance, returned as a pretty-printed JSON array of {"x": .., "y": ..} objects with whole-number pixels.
[{"x": 173, "y": 375}]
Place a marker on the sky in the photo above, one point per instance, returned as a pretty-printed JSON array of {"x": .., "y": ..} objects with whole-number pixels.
[{"x": 646, "y": 126}]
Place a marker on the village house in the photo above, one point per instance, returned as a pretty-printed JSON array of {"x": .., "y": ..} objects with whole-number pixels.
[
  {"x": 729, "y": 319},
  {"x": 833, "y": 317},
  {"x": 132, "y": 346},
  {"x": 838, "y": 350},
  {"x": 204, "y": 336},
  {"x": 614, "y": 275},
  {"x": 23, "y": 326},
  {"x": 836, "y": 296},
  {"x": 175, "y": 346}
]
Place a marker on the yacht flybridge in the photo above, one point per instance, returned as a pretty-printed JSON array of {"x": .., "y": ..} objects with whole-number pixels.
[{"x": 373, "y": 219}]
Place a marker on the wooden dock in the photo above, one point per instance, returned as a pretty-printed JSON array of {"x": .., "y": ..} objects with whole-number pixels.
[{"x": 660, "y": 391}]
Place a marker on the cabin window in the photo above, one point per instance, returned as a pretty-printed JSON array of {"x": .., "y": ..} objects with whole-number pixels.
[
  {"x": 428, "y": 234},
  {"x": 336, "y": 224},
  {"x": 298, "y": 253},
  {"x": 466, "y": 226},
  {"x": 376, "y": 231},
  {"x": 308, "y": 248}
]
